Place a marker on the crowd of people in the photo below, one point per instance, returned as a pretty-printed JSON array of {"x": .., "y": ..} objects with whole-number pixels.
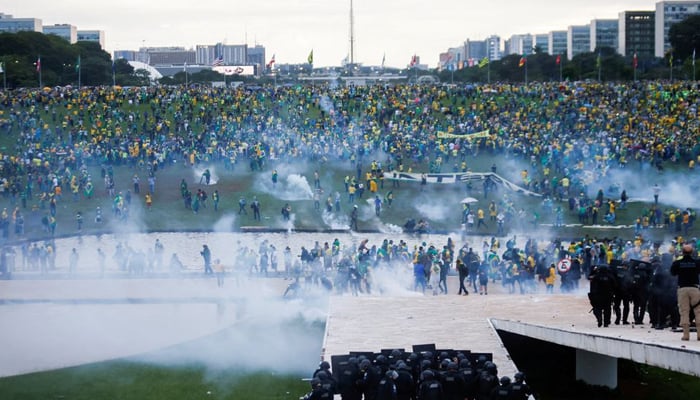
[
  {"x": 423, "y": 375},
  {"x": 571, "y": 134}
]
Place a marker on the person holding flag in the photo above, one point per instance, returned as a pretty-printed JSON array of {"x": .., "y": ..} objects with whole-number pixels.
[
  {"x": 77, "y": 69},
  {"x": 38, "y": 69}
]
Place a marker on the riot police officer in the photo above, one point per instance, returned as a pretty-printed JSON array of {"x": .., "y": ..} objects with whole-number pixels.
[
  {"x": 430, "y": 388},
  {"x": 386, "y": 389},
  {"x": 452, "y": 382},
  {"x": 602, "y": 289},
  {"x": 519, "y": 390},
  {"x": 641, "y": 279},
  {"x": 623, "y": 290}
]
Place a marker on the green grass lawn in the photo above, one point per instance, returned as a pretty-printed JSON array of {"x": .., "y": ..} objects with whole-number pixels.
[{"x": 131, "y": 380}]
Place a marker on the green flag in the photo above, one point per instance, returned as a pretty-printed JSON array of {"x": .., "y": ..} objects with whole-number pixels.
[
  {"x": 670, "y": 60},
  {"x": 310, "y": 59},
  {"x": 484, "y": 62},
  {"x": 77, "y": 64}
]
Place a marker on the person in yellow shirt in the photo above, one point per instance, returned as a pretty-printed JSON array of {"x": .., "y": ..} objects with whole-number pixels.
[
  {"x": 551, "y": 278},
  {"x": 480, "y": 217}
]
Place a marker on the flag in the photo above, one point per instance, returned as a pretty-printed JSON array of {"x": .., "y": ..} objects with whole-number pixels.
[
  {"x": 635, "y": 62},
  {"x": 218, "y": 61},
  {"x": 310, "y": 58},
  {"x": 2, "y": 69},
  {"x": 383, "y": 59},
  {"x": 558, "y": 60},
  {"x": 414, "y": 60},
  {"x": 38, "y": 64},
  {"x": 271, "y": 63},
  {"x": 523, "y": 61},
  {"x": 184, "y": 67},
  {"x": 470, "y": 62},
  {"x": 670, "y": 61},
  {"x": 484, "y": 62},
  {"x": 77, "y": 65}
]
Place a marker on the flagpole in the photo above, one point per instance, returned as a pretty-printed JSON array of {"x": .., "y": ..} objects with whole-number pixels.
[
  {"x": 693, "y": 64},
  {"x": 526, "y": 72},
  {"x": 560, "y": 69},
  {"x": 38, "y": 66},
  {"x": 80, "y": 67},
  {"x": 488, "y": 72}
]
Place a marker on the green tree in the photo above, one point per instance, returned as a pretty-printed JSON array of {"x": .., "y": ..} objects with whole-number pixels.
[{"x": 685, "y": 37}]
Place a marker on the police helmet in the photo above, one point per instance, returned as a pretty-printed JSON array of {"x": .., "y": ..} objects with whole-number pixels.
[
  {"x": 427, "y": 375},
  {"x": 505, "y": 380},
  {"x": 364, "y": 364},
  {"x": 425, "y": 364},
  {"x": 465, "y": 363},
  {"x": 519, "y": 376},
  {"x": 391, "y": 374},
  {"x": 452, "y": 365},
  {"x": 325, "y": 365},
  {"x": 490, "y": 367}
]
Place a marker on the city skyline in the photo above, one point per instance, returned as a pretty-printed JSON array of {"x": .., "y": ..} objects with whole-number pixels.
[{"x": 389, "y": 29}]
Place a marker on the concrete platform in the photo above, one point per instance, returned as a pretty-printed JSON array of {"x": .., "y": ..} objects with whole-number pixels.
[{"x": 470, "y": 322}]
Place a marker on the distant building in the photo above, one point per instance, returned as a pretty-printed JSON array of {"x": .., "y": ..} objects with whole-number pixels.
[
  {"x": 558, "y": 43},
  {"x": 636, "y": 33},
  {"x": 166, "y": 56},
  {"x": 493, "y": 47},
  {"x": 128, "y": 55},
  {"x": 604, "y": 33},
  {"x": 256, "y": 56},
  {"x": 520, "y": 44},
  {"x": 230, "y": 54},
  {"x": 542, "y": 42},
  {"x": 92, "y": 36},
  {"x": 667, "y": 14},
  {"x": 65, "y": 31},
  {"x": 13, "y": 25},
  {"x": 475, "y": 49},
  {"x": 578, "y": 40}
]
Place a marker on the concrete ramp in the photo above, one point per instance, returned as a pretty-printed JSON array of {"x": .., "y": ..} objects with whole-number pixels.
[
  {"x": 451, "y": 322},
  {"x": 470, "y": 323}
]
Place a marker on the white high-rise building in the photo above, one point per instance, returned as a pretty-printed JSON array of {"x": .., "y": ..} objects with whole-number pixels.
[
  {"x": 493, "y": 47},
  {"x": 604, "y": 33},
  {"x": 558, "y": 42},
  {"x": 92, "y": 36},
  {"x": 667, "y": 14},
  {"x": 13, "y": 25},
  {"x": 66, "y": 31},
  {"x": 578, "y": 40}
]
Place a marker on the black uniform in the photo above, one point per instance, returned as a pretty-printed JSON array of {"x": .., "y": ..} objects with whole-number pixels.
[
  {"x": 452, "y": 383},
  {"x": 601, "y": 293},
  {"x": 641, "y": 278},
  {"x": 623, "y": 290}
]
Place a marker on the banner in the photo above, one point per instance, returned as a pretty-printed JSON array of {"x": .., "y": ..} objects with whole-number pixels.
[
  {"x": 458, "y": 177},
  {"x": 475, "y": 135}
]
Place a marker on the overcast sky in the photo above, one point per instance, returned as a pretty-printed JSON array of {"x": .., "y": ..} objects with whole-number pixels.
[{"x": 289, "y": 29}]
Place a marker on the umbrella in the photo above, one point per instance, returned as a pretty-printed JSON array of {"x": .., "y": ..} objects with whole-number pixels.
[{"x": 468, "y": 200}]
